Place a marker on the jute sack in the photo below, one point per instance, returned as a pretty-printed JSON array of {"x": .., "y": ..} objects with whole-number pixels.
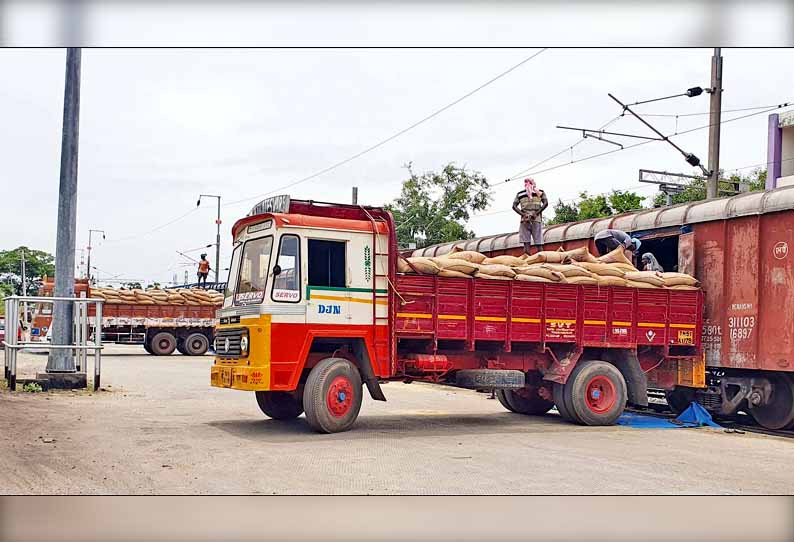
[
  {"x": 635, "y": 284},
  {"x": 492, "y": 277},
  {"x": 581, "y": 280},
  {"x": 679, "y": 279},
  {"x": 461, "y": 266},
  {"x": 533, "y": 278},
  {"x": 651, "y": 277},
  {"x": 616, "y": 256},
  {"x": 603, "y": 269},
  {"x": 468, "y": 255},
  {"x": 609, "y": 280},
  {"x": 425, "y": 266},
  {"x": 451, "y": 273},
  {"x": 625, "y": 267},
  {"x": 535, "y": 258},
  {"x": 496, "y": 269},
  {"x": 512, "y": 261},
  {"x": 539, "y": 271},
  {"x": 568, "y": 270},
  {"x": 580, "y": 254},
  {"x": 682, "y": 287}
]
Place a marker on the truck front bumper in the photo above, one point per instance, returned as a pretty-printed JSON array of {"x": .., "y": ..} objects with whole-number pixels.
[{"x": 240, "y": 377}]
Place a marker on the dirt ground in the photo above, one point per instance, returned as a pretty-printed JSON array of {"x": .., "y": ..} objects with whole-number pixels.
[{"x": 161, "y": 429}]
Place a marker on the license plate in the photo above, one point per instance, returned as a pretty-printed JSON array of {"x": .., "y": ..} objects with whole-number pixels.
[{"x": 226, "y": 377}]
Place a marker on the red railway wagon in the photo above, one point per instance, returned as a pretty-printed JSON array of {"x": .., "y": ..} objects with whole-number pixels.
[
  {"x": 740, "y": 249},
  {"x": 315, "y": 308}
]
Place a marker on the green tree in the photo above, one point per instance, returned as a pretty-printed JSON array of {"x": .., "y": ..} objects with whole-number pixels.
[
  {"x": 132, "y": 286},
  {"x": 434, "y": 207},
  {"x": 695, "y": 189},
  {"x": 595, "y": 206},
  {"x": 623, "y": 201},
  {"x": 564, "y": 213},
  {"x": 37, "y": 264}
]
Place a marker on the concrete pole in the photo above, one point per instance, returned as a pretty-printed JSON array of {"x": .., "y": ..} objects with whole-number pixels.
[
  {"x": 355, "y": 195},
  {"x": 88, "y": 263},
  {"x": 218, "y": 243},
  {"x": 715, "y": 116},
  {"x": 24, "y": 288},
  {"x": 62, "y": 360}
]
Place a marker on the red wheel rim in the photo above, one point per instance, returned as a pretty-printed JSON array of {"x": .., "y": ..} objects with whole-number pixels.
[
  {"x": 340, "y": 396},
  {"x": 600, "y": 394}
]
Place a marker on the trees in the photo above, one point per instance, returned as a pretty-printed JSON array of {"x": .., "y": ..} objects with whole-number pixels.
[
  {"x": 596, "y": 206},
  {"x": 37, "y": 264},
  {"x": 434, "y": 207}
]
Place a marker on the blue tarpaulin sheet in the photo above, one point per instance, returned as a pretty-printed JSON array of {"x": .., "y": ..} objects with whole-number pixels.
[{"x": 694, "y": 416}]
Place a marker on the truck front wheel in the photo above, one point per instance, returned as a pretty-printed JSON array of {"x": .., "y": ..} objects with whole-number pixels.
[
  {"x": 597, "y": 393},
  {"x": 280, "y": 405},
  {"x": 332, "y": 396},
  {"x": 163, "y": 344}
]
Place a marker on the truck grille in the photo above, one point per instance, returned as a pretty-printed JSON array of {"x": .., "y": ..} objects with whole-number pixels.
[{"x": 227, "y": 342}]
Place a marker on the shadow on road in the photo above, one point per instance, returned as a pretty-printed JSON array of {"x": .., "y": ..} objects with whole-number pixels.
[{"x": 397, "y": 426}]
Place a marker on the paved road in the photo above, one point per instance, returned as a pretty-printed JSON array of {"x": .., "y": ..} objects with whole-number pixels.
[{"x": 160, "y": 428}]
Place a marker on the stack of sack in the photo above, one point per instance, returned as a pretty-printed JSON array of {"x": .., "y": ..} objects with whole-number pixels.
[
  {"x": 158, "y": 296},
  {"x": 575, "y": 266}
]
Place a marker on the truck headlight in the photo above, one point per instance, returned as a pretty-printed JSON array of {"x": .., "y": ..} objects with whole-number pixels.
[{"x": 244, "y": 344}]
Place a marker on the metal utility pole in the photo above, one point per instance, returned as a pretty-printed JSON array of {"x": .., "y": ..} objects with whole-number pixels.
[
  {"x": 24, "y": 287},
  {"x": 62, "y": 360},
  {"x": 355, "y": 195},
  {"x": 715, "y": 114},
  {"x": 88, "y": 274},
  {"x": 218, "y": 237}
]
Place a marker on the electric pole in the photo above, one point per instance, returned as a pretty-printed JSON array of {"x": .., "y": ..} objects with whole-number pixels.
[
  {"x": 88, "y": 274},
  {"x": 355, "y": 195},
  {"x": 218, "y": 236},
  {"x": 62, "y": 360},
  {"x": 24, "y": 288},
  {"x": 715, "y": 114}
]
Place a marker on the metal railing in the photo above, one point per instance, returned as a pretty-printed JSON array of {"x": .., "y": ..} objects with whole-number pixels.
[{"x": 80, "y": 345}]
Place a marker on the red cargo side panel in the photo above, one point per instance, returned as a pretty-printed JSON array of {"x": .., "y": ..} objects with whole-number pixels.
[{"x": 490, "y": 309}]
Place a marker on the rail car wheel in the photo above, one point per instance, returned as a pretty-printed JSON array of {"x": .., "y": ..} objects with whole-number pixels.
[
  {"x": 332, "y": 396},
  {"x": 778, "y": 412},
  {"x": 679, "y": 398},
  {"x": 280, "y": 405},
  {"x": 501, "y": 395},
  {"x": 527, "y": 401},
  {"x": 196, "y": 344},
  {"x": 597, "y": 393},
  {"x": 163, "y": 344},
  {"x": 559, "y": 401}
]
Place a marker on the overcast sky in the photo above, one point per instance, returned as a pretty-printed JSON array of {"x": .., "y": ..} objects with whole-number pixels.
[{"x": 158, "y": 127}]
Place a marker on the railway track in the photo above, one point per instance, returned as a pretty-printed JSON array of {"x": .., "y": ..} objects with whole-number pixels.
[{"x": 737, "y": 424}]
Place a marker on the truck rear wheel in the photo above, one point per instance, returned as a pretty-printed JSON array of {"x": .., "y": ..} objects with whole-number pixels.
[
  {"x": 559, "y": 401},
  {"x": 196, "y": 344},
  {"x": 280, "y": 405},
  {"x": 597, "y": 393},
  {"x": 778, "y": 413},
  {"x": 679, "y": 398},
  {"x": 526, "y": 401},
  {"x": 332, "y": 395},
  {"x": 500, "y": 394},
  {"x": 163, "y": 344}
]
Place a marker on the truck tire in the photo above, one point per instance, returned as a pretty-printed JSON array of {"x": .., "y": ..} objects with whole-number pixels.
[
  {"x": 332, "y": 395},
  {"x": 196, "y": 344},
  {"x": 280, "y": 405},
  {"x": 679, "y": 398},
  {"x": 147, "y": 346},
  {"x": 596, "y": 392},
  {"x": 525, "y": 401},
  {"x": 559, "y": 401},
  {"x": 163, "y": 344},
  {"x": 778, "y": 413},
  {"x": 500, "y": 394},
  {"x": 180, "y": 347}
]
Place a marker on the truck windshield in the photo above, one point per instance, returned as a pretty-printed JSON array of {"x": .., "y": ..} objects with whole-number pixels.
[
  {"x": 234, "y": 272},
  {"x": 254, "y": 265}
]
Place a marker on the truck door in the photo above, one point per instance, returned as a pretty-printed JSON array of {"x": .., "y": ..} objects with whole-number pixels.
[{"x": 327, "y": 294}]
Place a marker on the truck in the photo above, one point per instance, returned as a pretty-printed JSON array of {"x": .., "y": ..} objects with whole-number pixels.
[
  {"x": 159, "y": 328},
  {"x": 315, "y": 311},
  {"x": 739, "y": 247}
]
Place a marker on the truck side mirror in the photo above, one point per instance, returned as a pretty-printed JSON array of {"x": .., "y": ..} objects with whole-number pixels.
[{"x": 276, "y": 270}]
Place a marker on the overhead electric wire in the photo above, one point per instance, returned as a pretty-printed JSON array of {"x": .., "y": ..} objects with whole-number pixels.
[
  {"x": 153, "y": 230},
  {"x": 391, "y": 137},
  {"x": 671, "y": 115}
]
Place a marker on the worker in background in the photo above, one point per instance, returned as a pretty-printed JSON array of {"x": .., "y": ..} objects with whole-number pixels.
[
  {"x": 608, "y": 240},
  {"x": 529, "y": 204},
  {"x": 650, "y": 263},
  {"x": 203, "y": 270}
]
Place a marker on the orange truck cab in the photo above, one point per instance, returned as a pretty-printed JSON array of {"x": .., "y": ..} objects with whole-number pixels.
[{"x": 315, "y": 310}]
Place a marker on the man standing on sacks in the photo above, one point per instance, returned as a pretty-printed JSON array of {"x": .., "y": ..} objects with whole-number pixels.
[{"x": 529, "y": 203}]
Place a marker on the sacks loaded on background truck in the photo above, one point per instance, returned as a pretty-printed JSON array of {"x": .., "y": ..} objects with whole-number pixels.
[
  {"x": 162, "y": 320},
  {"x": 320, "y": 304}
]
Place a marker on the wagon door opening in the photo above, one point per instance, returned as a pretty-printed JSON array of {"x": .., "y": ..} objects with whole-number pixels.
[{"x": 664, "y": 247}]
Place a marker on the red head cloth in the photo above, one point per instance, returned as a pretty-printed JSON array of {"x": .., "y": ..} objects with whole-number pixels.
[{"x": 531, "y": 187}]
